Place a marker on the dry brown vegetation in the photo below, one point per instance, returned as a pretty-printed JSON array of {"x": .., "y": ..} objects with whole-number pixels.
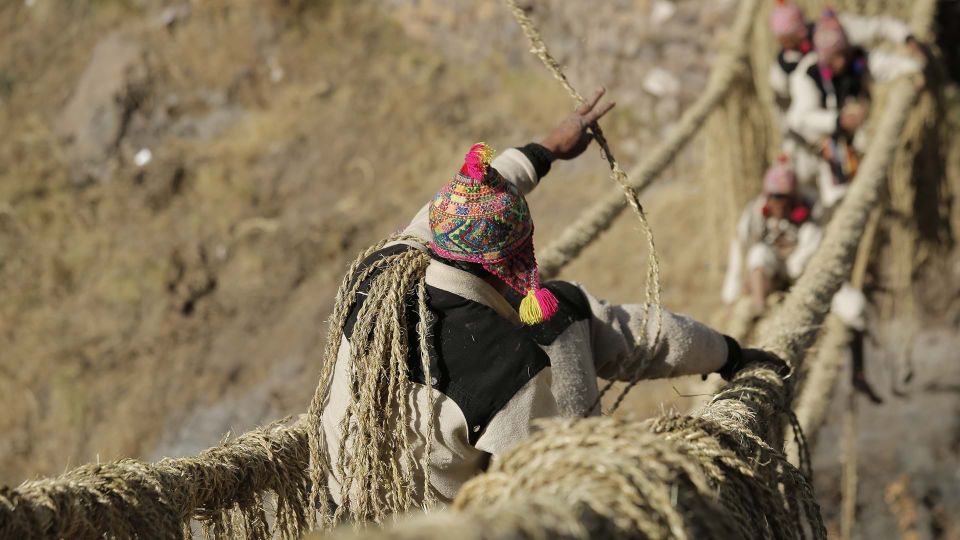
[{"x": 195, "y": 288}]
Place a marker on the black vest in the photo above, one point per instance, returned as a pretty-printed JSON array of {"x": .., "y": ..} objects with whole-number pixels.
[
  {"x": 851, "y": 83},
  {"x": 477, "y": 358}
]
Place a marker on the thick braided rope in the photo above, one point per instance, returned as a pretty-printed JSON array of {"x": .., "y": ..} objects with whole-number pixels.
[
  {"x": 539, "y": 48},
  {"x": 129, "y": 498},
  {"x": 620, "y": 477},
  {"x": 817, "y": 390},
  {"x": 376, "y": 465},
  {"x": 598, "y": 218}
]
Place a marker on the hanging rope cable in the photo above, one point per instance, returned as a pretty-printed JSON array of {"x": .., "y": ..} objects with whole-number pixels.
[
  {"x": 833, "y": 351},
  {"x": 539, "y": 48}
]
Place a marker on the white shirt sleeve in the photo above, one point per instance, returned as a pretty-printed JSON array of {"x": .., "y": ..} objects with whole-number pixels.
[
  {"x": 779, "y": 81},
  {"x": 515, "y": 167},
  {"x": 808, "y": 240},
  {"x": 886, "y": 65},
  {"x": 685, "y": 346}
]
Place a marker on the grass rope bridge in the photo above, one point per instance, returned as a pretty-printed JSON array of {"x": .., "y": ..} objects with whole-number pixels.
[
  {"x": 715, "y": 474},
  {"x": 701, "y": 476}
]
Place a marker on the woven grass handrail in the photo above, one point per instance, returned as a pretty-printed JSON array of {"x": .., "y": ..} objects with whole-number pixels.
[{"x": 130, "y": 498}]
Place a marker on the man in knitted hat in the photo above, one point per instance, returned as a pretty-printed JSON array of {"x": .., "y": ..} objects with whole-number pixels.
[
  {"x": 446, "y": 345},
  {"x": 830, "y": 91},
  {"x": 776, "y": 238}
]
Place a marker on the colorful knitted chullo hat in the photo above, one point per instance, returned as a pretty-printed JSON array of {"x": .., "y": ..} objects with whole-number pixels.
[{"x": 480, "y": 217}]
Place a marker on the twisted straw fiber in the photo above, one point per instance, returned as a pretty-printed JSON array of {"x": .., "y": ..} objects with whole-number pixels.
[{"x": 653, "y": 289}]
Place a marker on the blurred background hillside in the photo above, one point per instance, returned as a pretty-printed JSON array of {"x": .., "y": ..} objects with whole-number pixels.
[{"x": 182, "y": 185}]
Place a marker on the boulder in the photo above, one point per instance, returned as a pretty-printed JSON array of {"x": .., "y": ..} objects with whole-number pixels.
[{"x": 91, "y": 125}]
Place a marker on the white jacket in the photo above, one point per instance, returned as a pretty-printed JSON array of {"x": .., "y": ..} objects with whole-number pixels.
[
  {"x": 862, "y": 31},
  {"x": 751, "y": 229},
  {"x": 813, "y": 117}
]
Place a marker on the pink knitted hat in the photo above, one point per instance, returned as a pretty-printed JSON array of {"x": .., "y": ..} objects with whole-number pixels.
[
  {"x": 786, "y": 19},
  {"x": 780, "y": 178},
  {"x": 829, "y": 38},
  {"x": 480, "y": 217}
]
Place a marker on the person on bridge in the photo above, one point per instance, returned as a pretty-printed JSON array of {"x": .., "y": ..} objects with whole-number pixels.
[
  {"x": 504, "y": 349},
  {"x": 830, "y": 93},
  {"x": 780, "y": 236},
  {"x": 795, "y": 35},
  {"x": 776, "y": 237}
]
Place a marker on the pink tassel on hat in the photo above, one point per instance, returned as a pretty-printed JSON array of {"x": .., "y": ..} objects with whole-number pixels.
[
  {"x": 476, "y": 161},
  {"x": 786, "y": 18},
  {"x": 548, "y": 303}
]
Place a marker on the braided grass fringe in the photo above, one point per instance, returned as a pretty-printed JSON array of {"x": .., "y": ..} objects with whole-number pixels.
[
  {"x": 221, "y": 488},
  {"x": 376, "y": 465}
]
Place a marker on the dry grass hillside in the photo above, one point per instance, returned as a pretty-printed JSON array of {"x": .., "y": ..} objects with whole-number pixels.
[
  {"x": 183, "y": 183},
  {"x": 150, "y": 307}
]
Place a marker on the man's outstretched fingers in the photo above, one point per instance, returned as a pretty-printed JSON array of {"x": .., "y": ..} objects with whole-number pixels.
[
  {"x": 598, "y": 112},
  {"x": 592, "y": 102}
]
